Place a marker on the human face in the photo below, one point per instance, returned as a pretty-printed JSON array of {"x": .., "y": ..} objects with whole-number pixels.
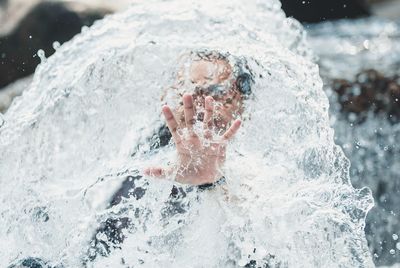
[{"x": 206, "y": 74}]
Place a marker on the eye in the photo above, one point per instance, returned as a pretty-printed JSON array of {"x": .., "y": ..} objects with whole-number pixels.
[{"x": 228, "y": 101}]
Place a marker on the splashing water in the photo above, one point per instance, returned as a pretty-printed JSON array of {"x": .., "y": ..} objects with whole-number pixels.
[
  {"x": 83, "y": 127},
  {"x": 345, "y": 49}
]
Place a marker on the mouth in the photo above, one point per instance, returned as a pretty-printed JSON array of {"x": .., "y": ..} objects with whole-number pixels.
[{"x": 220, "y": 124}]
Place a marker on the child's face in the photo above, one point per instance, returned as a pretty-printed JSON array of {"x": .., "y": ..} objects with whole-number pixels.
[{"x": 206, "y": 75}]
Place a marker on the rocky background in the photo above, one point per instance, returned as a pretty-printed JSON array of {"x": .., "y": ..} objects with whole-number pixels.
[{"x": 29, "y": 26}]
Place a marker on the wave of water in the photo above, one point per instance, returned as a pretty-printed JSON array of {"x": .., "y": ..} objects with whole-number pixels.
[
  {"x": 73, "y": 137},
  {"x": 345, "y": 49}
]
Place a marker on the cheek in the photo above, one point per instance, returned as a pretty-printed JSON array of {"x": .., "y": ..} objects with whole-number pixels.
[
  {"x": 225, "y": 116},
  {"x": 179, "y": 115},
  {"x": 231, "y": 111}
]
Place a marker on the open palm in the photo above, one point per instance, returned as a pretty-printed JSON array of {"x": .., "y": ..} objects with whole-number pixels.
[{"x": 200, "y": 153}]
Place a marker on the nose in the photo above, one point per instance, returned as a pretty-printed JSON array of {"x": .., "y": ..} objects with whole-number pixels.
[{"x": 199, "y": 102}]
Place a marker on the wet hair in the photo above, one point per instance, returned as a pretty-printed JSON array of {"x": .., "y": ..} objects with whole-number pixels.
[
  {"x": 241, "y": 71},
  {"x": 241, "y": 75},
  {"x": 244, "y": 82}
]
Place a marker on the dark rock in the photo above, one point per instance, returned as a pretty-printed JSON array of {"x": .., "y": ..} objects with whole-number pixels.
[
  {"x": 371, "y": 91},
  {"x": 46, "y": 23},
  {"x": 311, "y": 11}
]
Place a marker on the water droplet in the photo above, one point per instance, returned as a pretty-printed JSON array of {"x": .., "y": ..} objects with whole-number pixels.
[
  {"x": 395, "y": 237},
  {"x": 352, "y": 117},
  {"x": 356, "y": 90},
  {"x": 392, "y": 251},
  {"x": 30, "y": 37},
  {"x": 41, "y": 55},
  {"x": 366, "y": 44},
  {"x": 56, "y": 45},
  {"x": 85, "y": 29},
  {"x": 398, "y": 245},
  {"x": 2, "y": 121}
]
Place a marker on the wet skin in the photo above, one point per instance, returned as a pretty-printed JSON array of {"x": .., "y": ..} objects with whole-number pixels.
[{"x": 202, "y": 126}]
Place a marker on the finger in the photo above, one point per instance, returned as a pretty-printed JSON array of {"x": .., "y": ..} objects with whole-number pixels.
[
  {"x": 189, "y": 111},
  {"x": 208, "y": 113},
  {"x": 208, "y": 134},
  {"x": 171, "y": 123},
  {"x": 232, "y": 130},
  {"x": 154, "y": 172}
]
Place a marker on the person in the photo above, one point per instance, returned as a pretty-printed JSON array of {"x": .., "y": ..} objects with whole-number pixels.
[
  {"x": 217, "y": 103},
  {"x": 210, "y": 91}
]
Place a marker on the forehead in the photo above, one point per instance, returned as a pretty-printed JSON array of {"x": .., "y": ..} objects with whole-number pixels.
[{"x": 213, "y": 71}]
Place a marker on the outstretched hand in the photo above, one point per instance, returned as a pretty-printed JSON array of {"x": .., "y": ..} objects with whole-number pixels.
[{"x": 201, "y": 154}]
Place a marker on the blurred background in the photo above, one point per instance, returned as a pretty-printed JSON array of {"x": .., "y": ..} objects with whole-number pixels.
[
  {"x": 357, "y": 46},
  {"x": 29, "y": 25}
]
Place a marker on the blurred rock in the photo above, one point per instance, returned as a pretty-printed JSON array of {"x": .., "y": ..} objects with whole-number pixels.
[
  {"x": 8, "y": 93},
  {"x": 371, "y": 91},
  {"x": 44, "y": 24},
  {"x": 311, "y": 11}
]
